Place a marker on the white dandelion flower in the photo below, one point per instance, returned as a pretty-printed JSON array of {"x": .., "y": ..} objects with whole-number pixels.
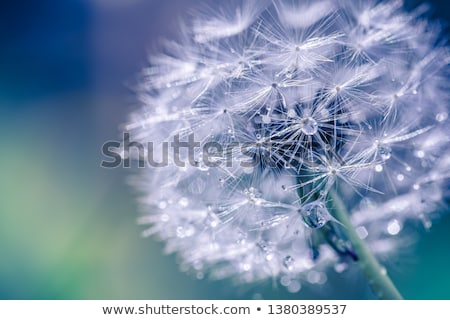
[{"x": 305, "y": 135}]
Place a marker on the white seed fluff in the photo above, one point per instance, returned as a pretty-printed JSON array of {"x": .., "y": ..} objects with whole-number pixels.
[{"x": 349, "y": 96}]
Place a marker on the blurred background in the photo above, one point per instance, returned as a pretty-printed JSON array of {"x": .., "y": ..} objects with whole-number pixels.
[{"x": 67, "y": 227}]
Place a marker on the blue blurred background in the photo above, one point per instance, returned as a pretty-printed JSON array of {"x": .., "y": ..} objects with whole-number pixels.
[{"x": 67, "y": 227}]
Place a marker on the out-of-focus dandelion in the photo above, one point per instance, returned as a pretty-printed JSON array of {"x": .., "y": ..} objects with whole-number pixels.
[{"x": 319, "y": 129}]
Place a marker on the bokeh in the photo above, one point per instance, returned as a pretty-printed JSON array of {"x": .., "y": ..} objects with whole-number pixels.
[{"x": 68, "y": 227}]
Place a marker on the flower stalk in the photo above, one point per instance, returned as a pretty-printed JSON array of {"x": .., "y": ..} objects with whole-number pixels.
[{"x": 379, "y": 281}]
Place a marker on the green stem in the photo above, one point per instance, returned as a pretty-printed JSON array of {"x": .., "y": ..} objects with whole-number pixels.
[{"x": 379, "y": 281}]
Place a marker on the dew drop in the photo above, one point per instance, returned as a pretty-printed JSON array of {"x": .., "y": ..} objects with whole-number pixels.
[
  {"x": 263, "y": 246},
  {"x": 183, "y": 202},
  {"x": 211, "y": 220},
  {"x": 400, "y": 177},
  {"x": 440, "y": 117},
  {"x": 378, "y": 168},
  {"x": 294, "y": 286},
  {"x": 180, "y": 232},
  {"x": 362, "y": 232},
  {"x": 309, "y": 126},
  {"x": 420, "y": 154},
  {"x": 314, "y": 277},
  {"x": 427, "y": 224},
  {"x": 198, "y": 265},
  {"x": 340, "y": 267},
  {"x": 285, "y": 281},
  {"x": 241, "y": 237},
  {"x": 162, "y": 205},
  {"x": 393, "y": 227},
  {"x": 315, "y": 214},
  {"x": 245, "y": 266},
  {"x": 288, "y": 262},
  {"x": 284, "y": 188},
  {"x": 384, "y": 151}
]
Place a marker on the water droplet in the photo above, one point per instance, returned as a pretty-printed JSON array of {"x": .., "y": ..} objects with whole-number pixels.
[
  {"x": 211, "y": 220},
  {"x": 288, "y": 262},
  {"x": 378, "y": 168},
  {"x": 393, "y": 227},
  {"x": 245, "y": 266},
  {"x": 384, "y": 151},
  {"x": 285, "y": 281},
  {"x": 416, "y": 186},
  {"x": 258, "y": 136},
  {"x": 427, "y": 224},
  {"x": 309, "y": 126},
  {"x": 284, "y": 188},
  {"x": 314, "y": 277},
  {"x": 180, "y": 232},
  {"x": 241, "y": 237},
  {"x": 294, "y": 286},
  {"x": 183, "y": 202},
  {"x": 400, "y": 177},
  {"x": 440, "y": 117},
  {"x": 340, "y": 267},
  {"x": 263, "y": 245},
  {"x": 198, "y": 265},
  {"x": 315, "y": 214},
  {"x": 420, "y": 154},
  {"x": 162, "y": 205},
  {"x": 362, "y": 232}
]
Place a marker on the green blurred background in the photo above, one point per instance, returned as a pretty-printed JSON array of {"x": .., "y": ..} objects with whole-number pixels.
[{"x": 67, "y": 227}]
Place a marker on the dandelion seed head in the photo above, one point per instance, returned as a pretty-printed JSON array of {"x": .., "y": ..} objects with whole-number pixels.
[{"x": 292, "y": 100}]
